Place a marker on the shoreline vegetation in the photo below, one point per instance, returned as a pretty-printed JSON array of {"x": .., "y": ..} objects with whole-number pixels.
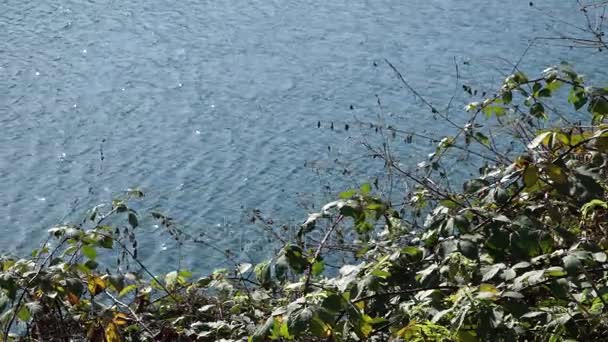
[{"x": 516, "y": 253}]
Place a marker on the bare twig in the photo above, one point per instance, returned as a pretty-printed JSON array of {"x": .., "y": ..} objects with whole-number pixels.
[
  {"x": 318, "y": 251},
  {"x": 135, "y": 316}
]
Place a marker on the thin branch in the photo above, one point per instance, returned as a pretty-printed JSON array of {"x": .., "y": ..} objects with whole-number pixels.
[
  {"x": 135, "y": 316},
  {"x": 318, "y": 251},
  {"x": 406, "y": 291}
]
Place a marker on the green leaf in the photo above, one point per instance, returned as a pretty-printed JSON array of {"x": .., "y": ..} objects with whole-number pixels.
[
  {"x": 507, "y": 97},
  {"x": 89, "y": 251},
  {"x": 554, "y": 85},
  {"x": 508, "y": 274},
  {"x": 474, "y": 185},
  {"x": 366, "y": 188},
  {"x": 482, "y": 138},
  {"x": 600, "y": 257},
  {"x": 280, "y": 331},
  {"x": 381, "y": 273},
  {"x": 117, "y": 281},
  {"x": 119, "y": 206},
  {"x": 487, "y": 291},
  {"x": 599, "y": 105},
  {"x": 519, "y": 77},
  {"x": 184, "y": 274},
  {"x": 24, "y": 314},
  {"x": 557, "y": 174},
  {"x": 262, "y": 273},
  {"x": 126, "y": 290},
  {"x": 577, "y": 98},
  {"x": 533, "y": 314},
  {"x": 468, "y": 249},
  {"x": 498, "y": 111},
  {"x": 319, "y": 328},
  {"x": 299, "y": 321},
  {"x": 512, "y": 294},
  {"x": 538, "y": 111},
  {"x": 543, "y": 138},
  {"x": 500, "y": 196},
  {"x": 106, "y": 242},
  {"x": 544, "y": 92},
  {"x": 133, "y": 220},
  {"x": 91, "y": 264},
  {"x": 295, "y": 258},
  {"x": 572, "y": 264},
  {"x": 281, "y": 268},
  {"x": 530, "y": 176},
  {"x": 348, "y": 194},
  {"x": 171, "y": 279},
  {"x": 332, "y": 303},
  {"x": 318, "y": 267},
  {"x": 412, "y": 251},
  {"x": 262, "y": 331},
  {"x": 555, "y": 271},
  {"x": 492, "y": 271},
  {"x": 4, "y": 301},
  {"x": 244, "y": 268}
]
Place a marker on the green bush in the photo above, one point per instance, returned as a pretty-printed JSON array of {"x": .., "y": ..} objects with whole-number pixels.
[{"x": 518, "y": 254}]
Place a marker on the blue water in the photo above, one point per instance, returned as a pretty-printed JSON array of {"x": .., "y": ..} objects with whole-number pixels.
[{"x": 211, "y": 107}]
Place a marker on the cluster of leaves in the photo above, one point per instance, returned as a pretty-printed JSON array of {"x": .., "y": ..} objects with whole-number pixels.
[{"x": 520, "y": 253}]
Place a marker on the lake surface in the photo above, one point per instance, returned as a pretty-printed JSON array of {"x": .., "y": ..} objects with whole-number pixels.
[{"x": 211, "y": 107}]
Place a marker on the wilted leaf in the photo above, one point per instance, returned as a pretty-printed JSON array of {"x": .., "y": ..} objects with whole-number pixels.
[
  {"x": 587, "y": 207},
  {"x": 120, "y": 318},
  {"x": 111, "y": 333},
  {"x": 73, "y": 299},
  {"x": 96, "y": 284}
]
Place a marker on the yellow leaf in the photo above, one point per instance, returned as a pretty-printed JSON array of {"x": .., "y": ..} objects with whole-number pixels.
[
  {"x": 487, "y": 291},
  {"x": 408, "y": 330},
  {"x": 366, "y": 329},
  {"x": 96, "y": 285},
  {"x": 557, "y": 174},
  {"x": 111, "y": 333},
  {"x": 120, "y": 318},
  {"x": 360, "y": 305},
  {"x": 488, "y": 288}
]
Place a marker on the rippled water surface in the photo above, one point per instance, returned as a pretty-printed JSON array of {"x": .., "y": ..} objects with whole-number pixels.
[{"x": 212, "y": 106}]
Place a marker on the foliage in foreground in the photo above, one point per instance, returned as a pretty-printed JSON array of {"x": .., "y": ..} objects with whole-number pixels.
[{"x": 518, "y": 254}]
